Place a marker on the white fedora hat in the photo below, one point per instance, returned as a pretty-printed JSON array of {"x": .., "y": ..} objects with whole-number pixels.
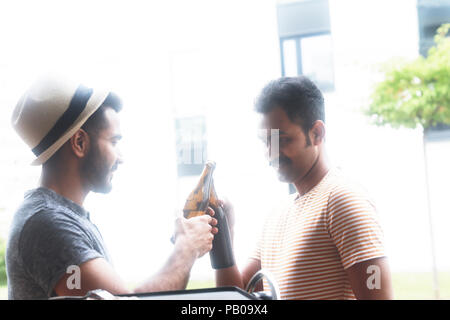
[{"x": 51, "y": 111}]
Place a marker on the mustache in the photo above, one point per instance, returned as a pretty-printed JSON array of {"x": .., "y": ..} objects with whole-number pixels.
[{"x": 279, "y": 161}]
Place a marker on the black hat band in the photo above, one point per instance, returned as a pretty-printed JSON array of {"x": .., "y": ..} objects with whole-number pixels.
[{"x": 76, "y": 107}]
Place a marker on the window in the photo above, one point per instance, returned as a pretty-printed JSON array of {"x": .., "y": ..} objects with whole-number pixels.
[
  {"x": 431, "y": 14},
  {"x": 190, "y": 145},
  {"x": 310, "y": 56},
  {"x": 306, "y": 44},
  {"x": 290, "y": 65}
]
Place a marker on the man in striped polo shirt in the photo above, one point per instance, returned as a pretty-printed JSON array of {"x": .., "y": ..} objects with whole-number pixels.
[{"x": 325, "y": 242}]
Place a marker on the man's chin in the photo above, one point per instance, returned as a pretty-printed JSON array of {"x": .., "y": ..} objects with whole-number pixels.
[
  {"x": 282, "y": 170},
  {"x": 283, "y": 176},
  {"x": 103, "y": 189}
]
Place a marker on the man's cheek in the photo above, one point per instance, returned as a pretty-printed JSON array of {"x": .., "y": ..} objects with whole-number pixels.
[{"x": 286, "y": 154}]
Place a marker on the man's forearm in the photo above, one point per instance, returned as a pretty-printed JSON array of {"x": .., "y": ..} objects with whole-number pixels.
[
  {"x": 229, "y": 277},
  {"x": 173, "y": 276}
]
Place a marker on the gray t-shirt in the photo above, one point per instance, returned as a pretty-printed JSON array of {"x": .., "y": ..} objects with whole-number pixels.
[{"x": 48, "y": 234}]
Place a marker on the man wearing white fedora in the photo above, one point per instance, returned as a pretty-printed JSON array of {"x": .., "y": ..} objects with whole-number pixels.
[{"x": 73, "y": 131}]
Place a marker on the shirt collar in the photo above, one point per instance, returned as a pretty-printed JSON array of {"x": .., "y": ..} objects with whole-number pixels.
[{"x": 72, "y": 206}]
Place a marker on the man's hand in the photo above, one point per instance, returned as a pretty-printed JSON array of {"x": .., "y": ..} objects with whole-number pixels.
[
  {"x": 228, "y": 209},
  {"x": 232, "y": 276},
  {"x": 195, "y": 235}
]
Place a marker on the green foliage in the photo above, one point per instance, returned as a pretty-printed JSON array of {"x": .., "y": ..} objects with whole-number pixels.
[
  {"x": 416, "y": 92},
  {"x": 2, "y": 262}
]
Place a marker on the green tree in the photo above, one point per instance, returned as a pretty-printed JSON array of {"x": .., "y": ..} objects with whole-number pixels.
[
  {"x": 2, "y": 262},
  {"x": 416, "y": 92}
]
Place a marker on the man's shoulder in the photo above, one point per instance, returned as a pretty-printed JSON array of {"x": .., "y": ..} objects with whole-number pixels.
[
  {"x": 35, "y": 221},
  {"x": 37, "y": 206},
  {"x": 48, "y": 219},
  {"x": 37, "y": 215},
  {"x": 341, "y": 184},
  {"x": 345, "y": 190}
]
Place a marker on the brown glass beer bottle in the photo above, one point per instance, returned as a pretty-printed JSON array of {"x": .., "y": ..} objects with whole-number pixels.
[
  {"x": 200, "y": 198},
  {"x": 197, "y": 202}
]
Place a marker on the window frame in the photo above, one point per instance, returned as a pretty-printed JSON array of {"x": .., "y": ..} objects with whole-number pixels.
[{"x": 298, "y": 38}]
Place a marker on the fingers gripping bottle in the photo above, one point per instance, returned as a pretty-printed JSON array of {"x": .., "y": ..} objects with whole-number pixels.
[{"x": 201, "y": 197}]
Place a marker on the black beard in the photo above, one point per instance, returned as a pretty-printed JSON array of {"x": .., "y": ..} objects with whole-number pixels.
[
  {"x": 281, "y": 161},
  {"x": 95, "y": 171}
]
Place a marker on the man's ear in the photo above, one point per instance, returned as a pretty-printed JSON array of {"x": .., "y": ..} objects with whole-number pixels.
[
  {"x": 317, "y": 132},
  {"x": 80, "y": 143}
]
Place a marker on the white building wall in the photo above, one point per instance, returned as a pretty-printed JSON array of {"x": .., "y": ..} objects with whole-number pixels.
[
  {"x": 388, "y": 162},
  {"x": 230, "y": 50}
]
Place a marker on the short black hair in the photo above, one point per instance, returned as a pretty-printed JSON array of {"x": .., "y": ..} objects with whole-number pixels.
[
  {"x": 96, "y": 121},
  {"x": 299, "y": 97}
]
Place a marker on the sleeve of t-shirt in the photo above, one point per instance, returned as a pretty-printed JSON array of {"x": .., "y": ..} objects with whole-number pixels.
[
  {"x": 354, "y": 226},
  {"x": 256, "y": 253},
  {"x": 49, "y": 243}
]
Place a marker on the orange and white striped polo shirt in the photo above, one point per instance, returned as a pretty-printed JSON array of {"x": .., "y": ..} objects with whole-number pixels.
[{"x": 308, "y": 245}]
